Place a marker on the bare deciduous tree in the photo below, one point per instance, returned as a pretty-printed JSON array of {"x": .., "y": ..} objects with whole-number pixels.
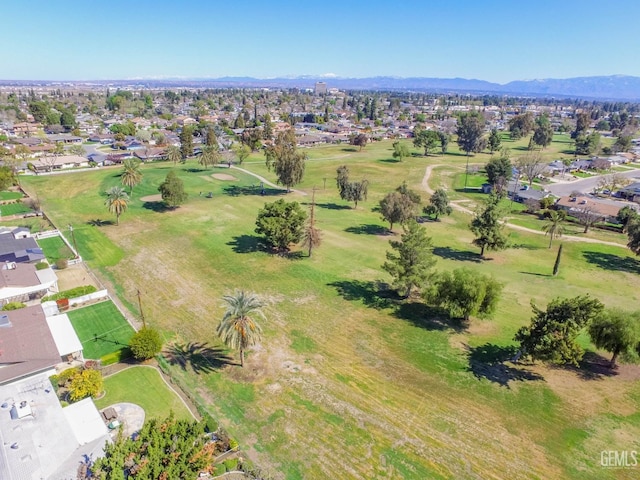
[{"x": 531, "y": 166}]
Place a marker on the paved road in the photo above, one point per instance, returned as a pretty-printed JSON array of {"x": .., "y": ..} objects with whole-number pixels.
[
  {"x": 585, "y": 185},
  {"x": 457, "y": 205}
]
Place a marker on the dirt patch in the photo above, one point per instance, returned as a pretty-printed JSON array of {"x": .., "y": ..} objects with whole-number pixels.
[
  {"x": 74, "y": 276},
  {"x": 152, "y": 198},
  {"x": 223, "y": 176}
]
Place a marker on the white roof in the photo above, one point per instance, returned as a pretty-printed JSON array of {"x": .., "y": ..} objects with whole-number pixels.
[
  {"x": 46, "y": 276},
  {"x": 64, "y": 335},
  {"x": 85, "y": 421}
]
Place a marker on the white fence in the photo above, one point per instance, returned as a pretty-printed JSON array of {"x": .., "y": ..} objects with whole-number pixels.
[
  {"x": 99, "y": 295},
  {"x": 47, "y": 234},
  {"x": 58, "y": 233}
]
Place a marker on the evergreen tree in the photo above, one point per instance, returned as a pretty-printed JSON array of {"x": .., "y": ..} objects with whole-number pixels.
[
  {"x": 411, "y": 260},
  {"x": 281, "y": 223},
  {"x": 488, "y": 226},
  {"x": 438, "y": 204},
  {"x": 552, "y": 334},
  {"x": 186, "y": 142},
  {"x": 172, "y": 190},
  {"x": 494, "y": 141},
  {"x": 616, "y": 331},
  {"x": 286, "y": 160},
  {"x": 464, "y": 292}
]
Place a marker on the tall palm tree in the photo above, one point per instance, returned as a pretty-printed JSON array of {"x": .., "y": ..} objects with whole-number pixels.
[
  {"x": 553, "y": 227},
  {"x": 117, "y": 202},
  {"x": 237, "y": 329},
  {"x": 131, "y": 174},
  {"x": 209, "y": 156},
  {"x": 173, "y": 154}
]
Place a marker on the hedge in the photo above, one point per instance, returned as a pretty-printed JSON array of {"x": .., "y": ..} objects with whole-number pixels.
[{"x": 73, "y": 293}]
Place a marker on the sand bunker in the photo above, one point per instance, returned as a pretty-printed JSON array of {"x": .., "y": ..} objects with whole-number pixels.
[
  {"x": 223, "y": 176},
  {"x": 152, "y": 198}
]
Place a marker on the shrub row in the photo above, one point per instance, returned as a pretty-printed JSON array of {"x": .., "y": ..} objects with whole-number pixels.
[{"x": 72, "y": 293}]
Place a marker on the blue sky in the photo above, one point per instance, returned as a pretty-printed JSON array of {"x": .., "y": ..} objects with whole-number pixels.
[{"x": 495, "y": 40}]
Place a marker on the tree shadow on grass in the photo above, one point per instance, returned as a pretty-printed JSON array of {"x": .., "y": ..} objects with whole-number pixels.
[
  {"x": 349, "y": 149},
  {"x": 247, "y": 244},
  {"x": 236, "y": 191},
  {"x": 156, "y": 206},
  {"x": 100, "y": 223},
  {"x": 194, "y": 170},
  {"x": 488, "y": 361},
  {"x": 607, "y": 261},
  {"x": 333, "y": 206},
  {"x": 427, "y": 317},
  {"x": 199, "y": 356},
  {"x": 449, "y": 253},
  {"x": 369, "y": 229},
  {"x": 389, "y": 160},
  {"x": 591, "y": 367},
  {"x": 372, "y": 294}
]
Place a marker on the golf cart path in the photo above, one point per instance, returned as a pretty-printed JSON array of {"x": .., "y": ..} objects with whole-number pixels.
[
  {"x": 460, "y": 208},
  {"x": 267, "y": 182}
]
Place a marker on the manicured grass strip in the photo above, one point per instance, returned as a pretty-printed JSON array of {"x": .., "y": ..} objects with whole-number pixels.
[
  {"x": 101, "y": 328},
  {"x": 13, "y": 209},
  {"x": 144, "y": 387},
  {"x": 10, "y": 195},
  {"x": 54, "y": 249}
]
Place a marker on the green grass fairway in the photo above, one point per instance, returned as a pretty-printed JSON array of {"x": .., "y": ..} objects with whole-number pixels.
[
  {"x": 144, "y": 387},
  {"x": 104, "y": 321},
  {"x": 54, "y": 249},
  {"x": 348, "y": 383}
]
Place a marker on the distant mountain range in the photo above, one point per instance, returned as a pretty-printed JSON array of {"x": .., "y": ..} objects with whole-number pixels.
[{"x": 613, "y": 87}]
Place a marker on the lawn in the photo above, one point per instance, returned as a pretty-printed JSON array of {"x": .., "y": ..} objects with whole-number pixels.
[
  {"x": 8, "y": 209},
  {"x": 55, "y": 249},
  {"x": 101, "y": 328},
  {"x": 150, "y": 392},
  {"x": 6, "y": 195},
  {"x": 383, "y": 389}
]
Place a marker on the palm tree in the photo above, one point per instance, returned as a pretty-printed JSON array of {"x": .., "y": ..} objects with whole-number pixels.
[
  {"x": 173, "y": 154},
  {"x": 117, "y": 202},
  {"x": 209, "y": 156},
  {"x": 553, "y": 227},
  {"x": 131, "y": 174},
  {"x": 237, "y": 329}
]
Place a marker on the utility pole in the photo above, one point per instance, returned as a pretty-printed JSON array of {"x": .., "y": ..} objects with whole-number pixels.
[
  {"x": 144, "y": 324},
  {"x": 73, "y": 239}
]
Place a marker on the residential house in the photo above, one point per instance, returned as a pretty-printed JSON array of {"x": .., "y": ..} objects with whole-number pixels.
[
  {"x": 59, "y": 162},
  {"x": 40, "y": 438},
  {"x": 21, "y": 282},
  {"x": 18, "y": 246},
  {"x": 574, "y": 206},
  {"x": 631, "y": 192},
  {"x": 67, "y": 139}
]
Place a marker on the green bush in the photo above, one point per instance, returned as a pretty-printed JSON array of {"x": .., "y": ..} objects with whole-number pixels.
[
  {"x": 54, "y": 382},
  {"x": 72, "y": 293},
  {"x": 210, "y": 424},
  {"x": 231, "y": 464},
  {"x": 115, "y": 357},
  {"x": 145, "y": 344},
  {"x": 42, "y": 265},
  {"x": 233, "y": 443},
  {"x": 220, "y": 469},
  {"x": 62, "y": 263},
  {"x": 13, "y": 306},
  {"x": 164, "y": 366}
]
